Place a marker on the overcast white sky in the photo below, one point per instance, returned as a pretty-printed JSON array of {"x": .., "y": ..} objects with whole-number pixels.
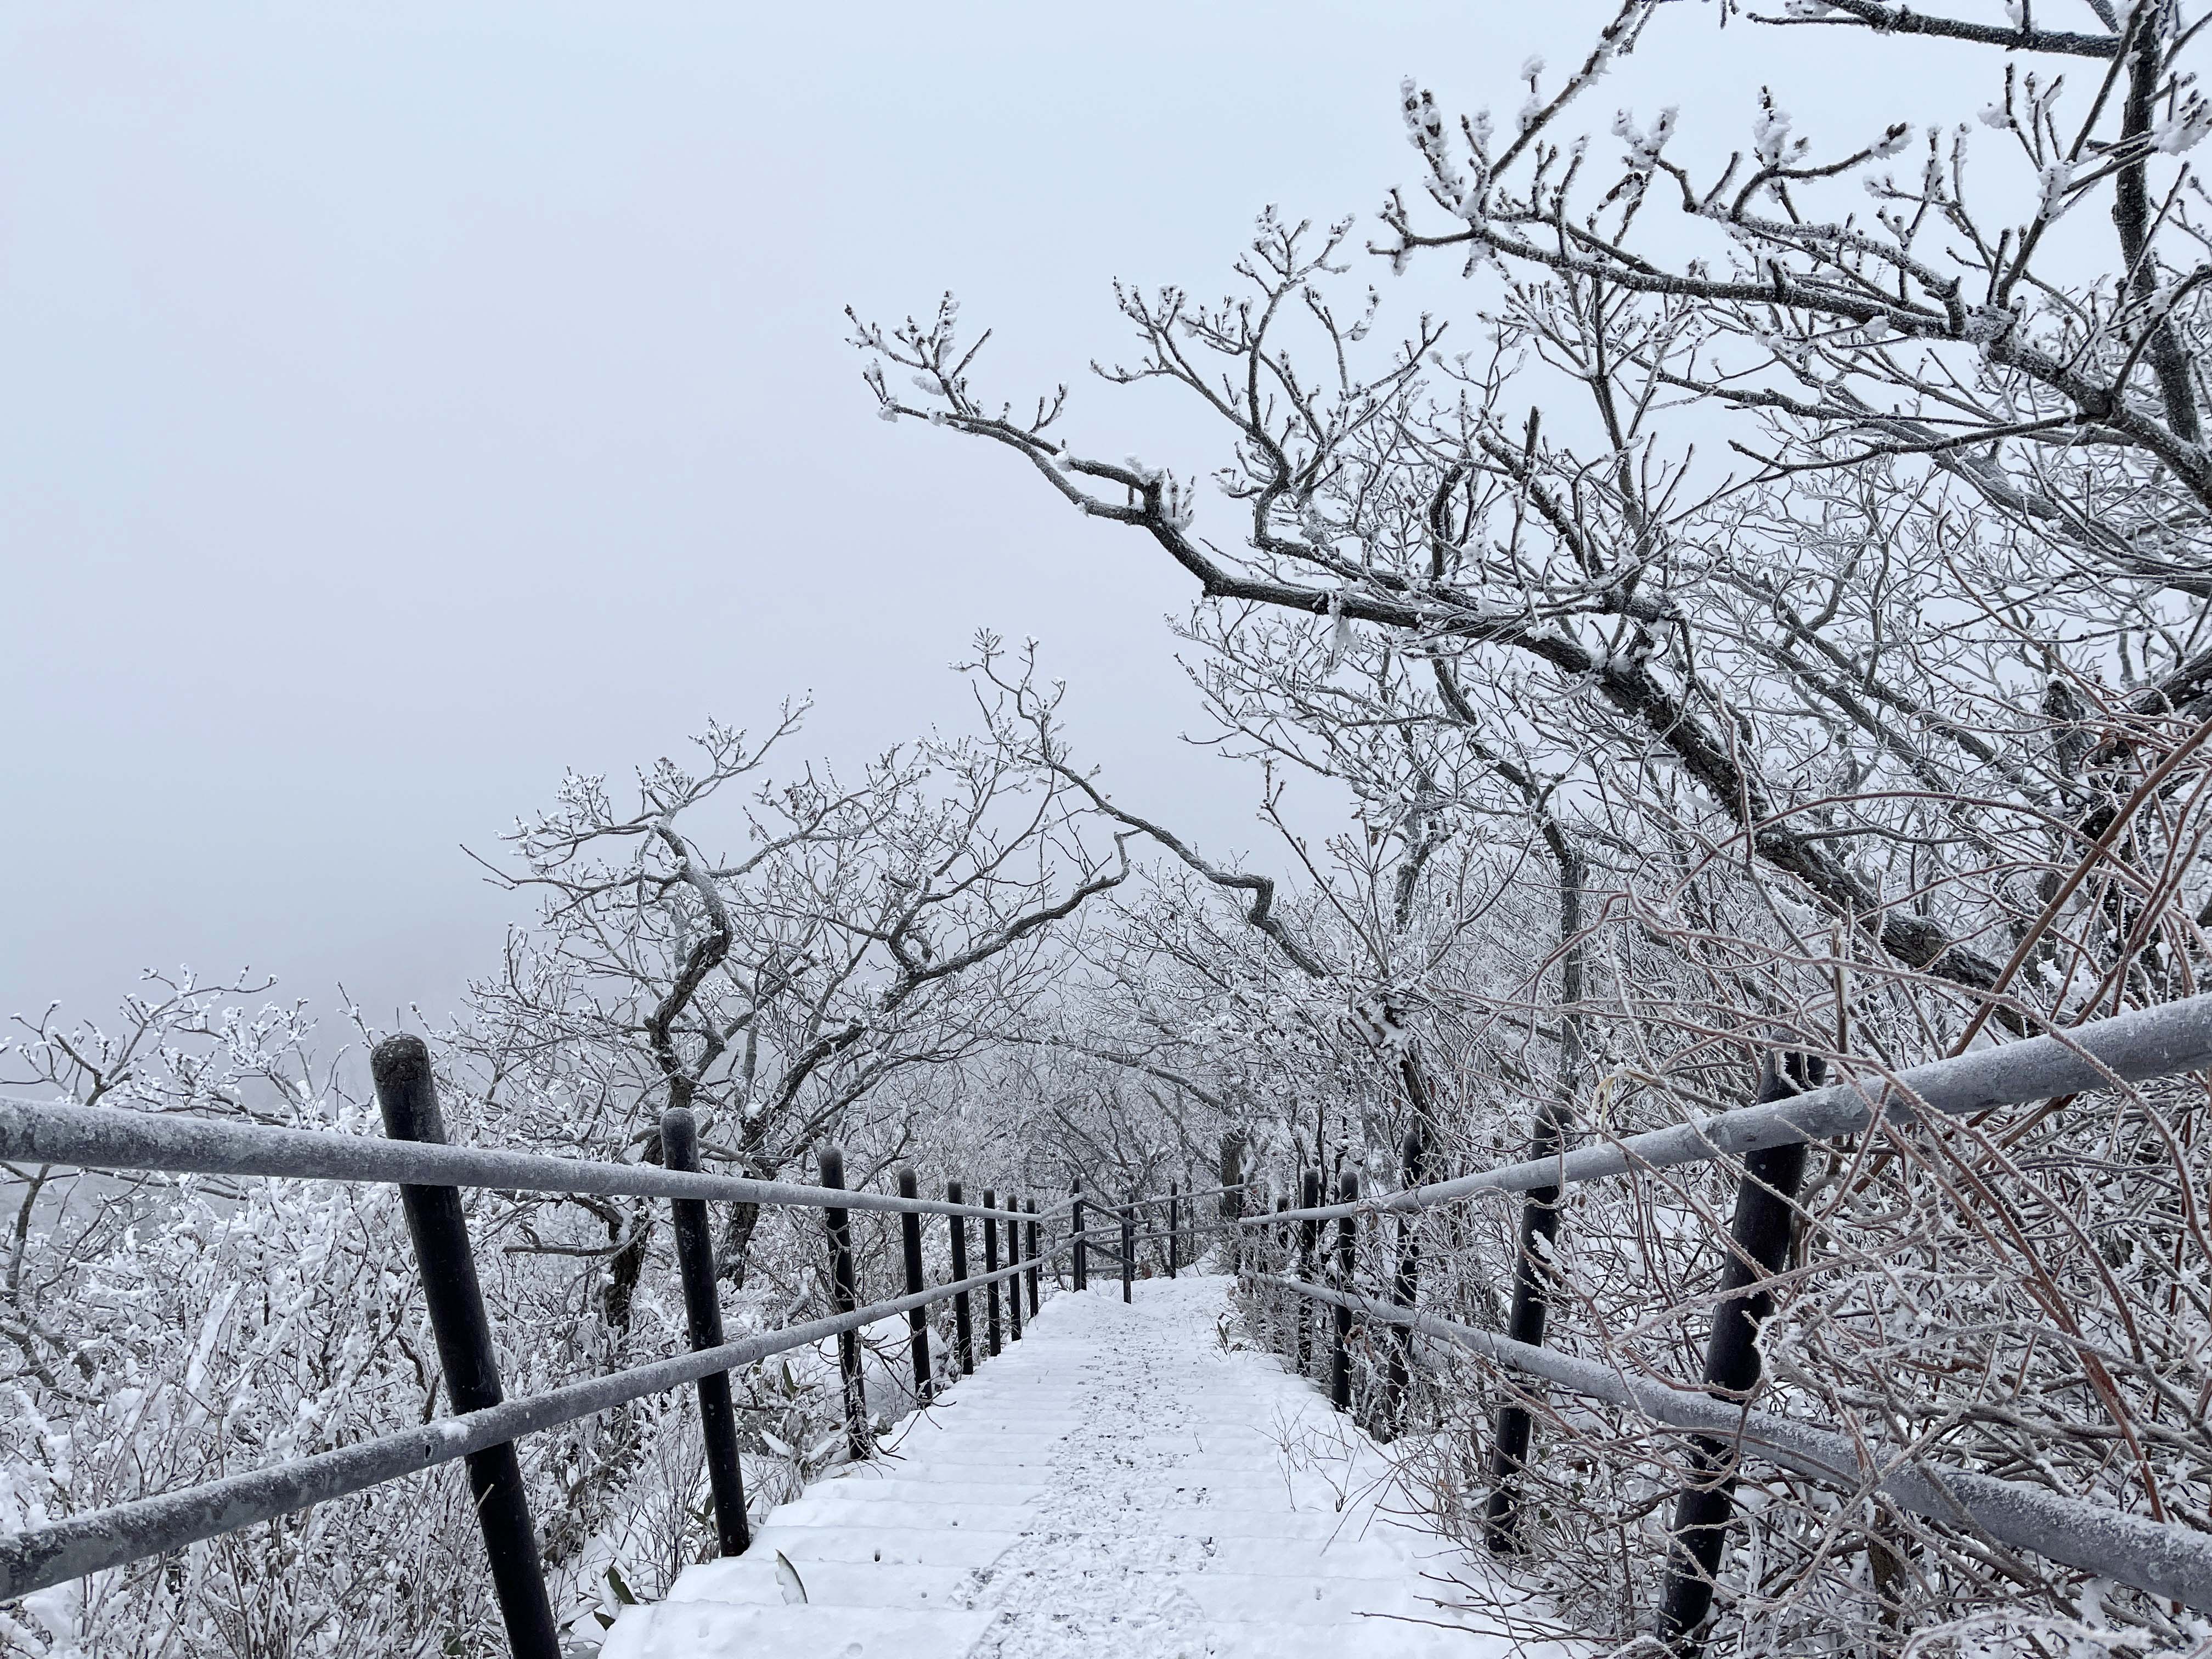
[{"x": 406, "y": 401}]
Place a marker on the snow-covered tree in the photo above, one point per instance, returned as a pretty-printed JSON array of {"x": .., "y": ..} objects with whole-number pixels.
[{"x": 1774, "y": 618}]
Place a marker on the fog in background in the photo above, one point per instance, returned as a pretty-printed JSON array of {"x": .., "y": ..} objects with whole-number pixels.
[{"x": 406, "y": 402}]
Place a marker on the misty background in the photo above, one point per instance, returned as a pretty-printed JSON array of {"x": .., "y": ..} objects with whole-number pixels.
[{"x": 407, "y": 402}]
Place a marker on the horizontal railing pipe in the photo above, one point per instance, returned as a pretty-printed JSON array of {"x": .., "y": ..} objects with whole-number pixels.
[
  {"x": 1094, "y": 1233},
  {"x": 106, "y": 1137},
  {"x": 1096, "y": 1239},
  {"x": 1162, "y": 1198},
  {"x": 41, "y": 1556},
  {"x": 2134, "y": 1048},
  {"x": 2159, "y": 1557}
]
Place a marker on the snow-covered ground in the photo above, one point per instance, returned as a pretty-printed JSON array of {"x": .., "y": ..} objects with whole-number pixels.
[{"x": 1122, "y": 1482}]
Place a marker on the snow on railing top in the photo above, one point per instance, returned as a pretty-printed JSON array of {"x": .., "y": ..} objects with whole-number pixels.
[
  {"x": 2163, "y": 1558},
  {"x": 105, "y": 1137},
  {"x": 2134, "y": 1048},
  {"x": 39, "y": 1557}
]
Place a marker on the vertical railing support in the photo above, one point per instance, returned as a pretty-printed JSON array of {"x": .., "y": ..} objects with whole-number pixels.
[
  {"x": 1348, "y": 1241},
  {"x": 1174, "y": 1227},
  {"x": 1406, "y": 1292},
  {"x": 1014, "y": 1286},
  {"x": 702, "y": 1314},
  {"x": 990, "y": 1266},
  {"x": 963, "y": 1328},
  {"x": 1762, "y": 1231},
  {"x": 1233, "y": 1177},
  {"x": 917, "y": 1319},
  {"x": 407, "y": 1095},
  {"x": 844, "y": 1296},
  {"x": 1280, "y": 1263},
  {"x": 1034, "y": 1269},
  {"x": 1129, "y": 1250},
  {"x": 1309, "y": 1237},
  {"x": 1080, "y": 1257},
  {"x": 1531, "y": 1270}
]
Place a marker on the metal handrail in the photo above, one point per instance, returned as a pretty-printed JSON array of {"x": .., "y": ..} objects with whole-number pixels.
[
  {"x": 2160, "y": 1557},
  {"x": 1092, "y": 1236},
  {"x": 106, "y": 1138},
  {"x": 44, "y": 1556},
  {"x": 2163, "y": 1558},
  {"x": 1093, "y": 1199},
  {"x": 483, "y": 1427},
  {"x": 2136, "y": 1048}
]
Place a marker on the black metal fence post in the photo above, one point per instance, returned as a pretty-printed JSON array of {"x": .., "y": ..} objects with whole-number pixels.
[
  {"x": 1014, "y": 1285},
  {"x": 844, "y": 1294},
  {"x": 1540, "y": 1229},
  {"x": 702, "y": 1314},
  {"x": 963, "y": 1329},
  {"x": 1762, "y": 1230},
  {"x": 1281, "y": 1263},
  {"x": 1232, "y": 1205},
  {"x": 1309, "y": 1237},
  {"x": 407, "y": 1094},
  {"x": 1082, "y": 1264},
  {"x": 1034, "y": 1269},
  {"x": 1129, "y": 1250},
  {"x": 917, "y": 1319},
  {"x": 990, "y": 1266},
  {"x": 1175, "y": 1226},
  {"x": 1347, "y": 1242},
  {"x": 1405, "y": 1291}
]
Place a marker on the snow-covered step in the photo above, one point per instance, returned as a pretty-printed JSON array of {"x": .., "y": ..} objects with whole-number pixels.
[
  {"x": 1277, "y": 1525},
  {"x": 895, "y": 1547},
  {"x": 717, "y": 1630},
  {"x": 920, "y": 1488},
  {"x": 1177, "y": 1481},
  {"x": 1265, "y": 1598},
  {"x": 1400, "y": 1639},
  {"x": 755, "y": 1579},
  {"x": 980, "y": 1435},
  {"x": 981, "y": 1462},
  {"x": 1041, "y": 1419},
  {"x": 1278, "y": 1558},
  {"x": 823, "y": 1507}
]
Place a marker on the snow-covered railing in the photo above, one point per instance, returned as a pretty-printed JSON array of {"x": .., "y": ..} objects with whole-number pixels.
[
  {"x": 1181, "y": 1230},
  {"x": 485, "y": 1425},
  {"x": 1181, "y": 1234},
  {"x": 1771, "y": 1137},
  {"x": 2137, "y": 1048},
  {"x": 2159, "y": 1557}
]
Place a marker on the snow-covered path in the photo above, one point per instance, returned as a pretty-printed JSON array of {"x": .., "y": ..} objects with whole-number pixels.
[{"x": 1121, "y": 1482}]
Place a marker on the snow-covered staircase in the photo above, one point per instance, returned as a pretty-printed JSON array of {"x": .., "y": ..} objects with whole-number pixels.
[{"x": 1121, "y": 1482}]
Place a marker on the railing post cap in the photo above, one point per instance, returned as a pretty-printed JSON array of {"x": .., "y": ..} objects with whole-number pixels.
[
  {"x": 400, "y": 1062},
  {"x": 406, "y": 1090}
]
